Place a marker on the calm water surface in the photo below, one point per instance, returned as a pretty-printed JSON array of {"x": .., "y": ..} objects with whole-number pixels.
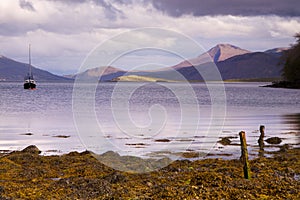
[{"x": 129, "y": 119}]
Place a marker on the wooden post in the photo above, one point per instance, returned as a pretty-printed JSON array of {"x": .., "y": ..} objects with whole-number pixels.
[
  {"x": 261, "y": 137},
  {"x": 244, "y": 156},
  {"x": 261, "y": 141}
]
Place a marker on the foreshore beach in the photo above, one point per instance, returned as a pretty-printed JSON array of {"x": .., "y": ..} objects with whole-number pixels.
[{"x": 27, "y": 175}]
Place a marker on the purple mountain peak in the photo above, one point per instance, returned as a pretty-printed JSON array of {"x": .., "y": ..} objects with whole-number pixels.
[{"x": 224, "y": 51}]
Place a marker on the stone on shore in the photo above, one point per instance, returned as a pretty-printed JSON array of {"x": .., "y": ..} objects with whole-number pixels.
[
  {"x": 31, "y": 149},
  {"x": 274, "y": 140},
  {"x": 225, "y": 141}
]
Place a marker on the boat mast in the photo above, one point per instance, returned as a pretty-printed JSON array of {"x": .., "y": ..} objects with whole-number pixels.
[{"x": 29, "y": 62}]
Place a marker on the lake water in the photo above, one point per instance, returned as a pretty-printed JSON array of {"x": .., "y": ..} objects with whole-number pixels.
[{"x": 146, "y": 119}]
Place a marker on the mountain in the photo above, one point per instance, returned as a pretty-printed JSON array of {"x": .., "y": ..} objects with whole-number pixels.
[
  {"x": 11, "y": 70},
  {"x": 216, "y": 54},
  {"x": 231, "y": 61},
  {"x": 235, "y": 63},
  {"x": 277, "y": 50},
  {"x": 104, "y": 73},
  {"x": 222, "y": 52},
  {"x": 251, "y": 66}
]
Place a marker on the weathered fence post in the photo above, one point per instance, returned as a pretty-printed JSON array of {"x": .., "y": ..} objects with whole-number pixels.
[
  {"x": 261, "y": 137},
  {"x": 261, "y": 141},
  {"x": 244, "y": 156}
]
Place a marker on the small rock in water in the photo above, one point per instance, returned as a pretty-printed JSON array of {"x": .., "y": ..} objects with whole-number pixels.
[
  {"x": 62, "y": 136},
  {"x": 162, "y": 140},
  {"x": 27, "y": 133},
  {"x": 190, "y": 154},
  {"x": 136, "y": 144},
  {"x": 31, "y": 149},
  {"x": 274, "y": 140},
  {"x": 225, "y": 141}
]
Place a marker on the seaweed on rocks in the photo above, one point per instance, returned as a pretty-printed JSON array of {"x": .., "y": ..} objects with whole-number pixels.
[{"x": 25, "y": 175}]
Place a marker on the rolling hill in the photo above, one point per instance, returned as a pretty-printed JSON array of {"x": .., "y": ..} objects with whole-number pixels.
[
  {"x": 251, "y": 66},
  {"x": 231, "y": 61},
  {"x": 104, "y": 73},
  {"x": 256, "y": 65},
  {"x": 11, "y": 70}
]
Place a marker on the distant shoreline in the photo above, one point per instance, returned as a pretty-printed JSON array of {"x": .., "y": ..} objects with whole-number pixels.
[
  {"x": 284, "y": 84},
  {"x": 153, "y": 80}
]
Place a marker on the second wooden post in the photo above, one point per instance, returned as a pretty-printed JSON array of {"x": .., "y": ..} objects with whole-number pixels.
[{"x": 244, "y": 156}]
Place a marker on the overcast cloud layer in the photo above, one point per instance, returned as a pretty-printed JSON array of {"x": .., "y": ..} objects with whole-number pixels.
[
  {"x": 62, "y": 32},
  {"x": 229, "y": 7}
]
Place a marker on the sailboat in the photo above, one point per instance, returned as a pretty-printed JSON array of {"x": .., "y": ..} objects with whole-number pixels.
[{"x": 29, "y": 82}]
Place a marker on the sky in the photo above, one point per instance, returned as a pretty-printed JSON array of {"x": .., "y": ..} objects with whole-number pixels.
[{"x": 62, "y": 33}]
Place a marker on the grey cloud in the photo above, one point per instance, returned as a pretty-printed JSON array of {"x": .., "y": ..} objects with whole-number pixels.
[
  {"x": 70, "y": 1},
  {"x": 61, "y": 23},
  {"x": 110, "y": 11},
  {"x": 26, "y": 5},
  {"x": 289, "y": 8},
  {"x": 15, "y": 29},
  {"x": 228, "y": 7},
  {"x": 95, "y": 1}
]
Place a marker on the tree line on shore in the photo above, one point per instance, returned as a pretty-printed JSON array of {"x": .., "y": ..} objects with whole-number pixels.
[{"x": 291, "y": 70}]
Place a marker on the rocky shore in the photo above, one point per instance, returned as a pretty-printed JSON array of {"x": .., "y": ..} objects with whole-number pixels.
[
  {"x": 28, "y": 175},
  {"x": 284, "y": 84}
]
